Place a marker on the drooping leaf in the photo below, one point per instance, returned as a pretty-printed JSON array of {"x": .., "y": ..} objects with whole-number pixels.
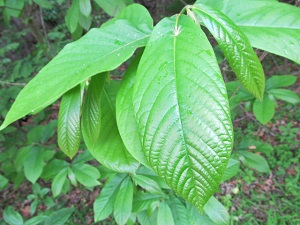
[
  {"x": 86, "y": 174},
  {"x": 112, "y": 8},
  {"x": 58, "y": 182},
  {"x": 34, "y": 164},
  {"x": 179, "y": 211},
  {"x": 182, "y": 110},
  {"x": 254, "y": 161},
  {"x": 264, "y": 110},
  {"x": 123, "y": 202},
  {"x": 85, "y": 7},
  {"x": 12, "y": 217},
  {"x": 280, "y": 81},
  {"x": 44, "y": 4},
  {"x": 125, "y": 113},
  {"x": 109, "y": 149},
  {"x": 101, "y": 49},
  {"x": 285, "y": 95},
  {"x": 68, "y": 128},
  {"x": 164, "y": 214},
  {"x": 270, "y": 25},
  {"x": 91, "y": 110},
  {"x": 216, "y": 212},
  {"x": 103, "y": 205},
  {"x": 72, "y": 16},
  {"x": 236, "y": 48}
]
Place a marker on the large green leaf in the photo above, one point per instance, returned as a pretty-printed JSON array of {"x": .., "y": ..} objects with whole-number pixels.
[
  {"x": 68, "y": 128},
  {"x": 123, "y": 202},
  {"x": 103, "y": 205},
  {"x": 125, "y": 114},
  {"x": 270, "y": 25},
  {"x": 236, "y": 48},
  {"x": 182, "y": 110},
  {"x": 101, "y": 49},
  {"x": 109, "y": 149},
  {"x": 91, "y": 110}
]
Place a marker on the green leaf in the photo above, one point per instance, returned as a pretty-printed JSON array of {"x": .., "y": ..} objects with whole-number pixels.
[
  {"x": 236, "y": 48},
  {"x": 123, "y": 202},
  {"x": 36, "y": 220},
  {"x": 280, "y": 81},
  {"x": 147, "y": 183},
  {"x": 254, "y": 161},
  {"x": 164, "y": 214},
  {"x": 72, "y": 16},
  {"x": 13, "y": 7},
  {"x": 91, "y": 110},
  {"x": 21, "y": 157},
  {"x": 109, "y": 149},
  {"x": 53, "y": 168},
  {"x": 58, "y": 182},
  {"x": 125, "y": 113},
  {"x": 285, "y": 95},
  {"x": 86, "y": 174},
  {"x": 101, "y": 49},
  {"x": 182, "y": 110},
  {"x": 59, "y": 217},
  {"x": 216, "y": 212},
  {"x": 111, "y": 7},
  {"x": 34, "y": 164},
  {"x": 85, "y": 7},
  {"x": 44, "y": 4},
  {"x": 255, "y": 145},
  {"x": 68, "y": 128},
  {"x": 85, "y": 21},
  {"x": 264, "y": 110},
  {"x": 12, "y": 217},
  {"x": 83, "y": 157},
  {"x": 143, "y": 200},
  {"x": 145, "y": 219},
  {"x": 231, "y": 170},
  {"x": 103, "y": 205},
  {"x": 179, "y": 211},
  {"x": 270, "y": 25},
  {"x": 3, "y": 182}
]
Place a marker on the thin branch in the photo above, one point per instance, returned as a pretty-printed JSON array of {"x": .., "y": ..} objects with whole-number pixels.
[{"x": 12, "y": 84}]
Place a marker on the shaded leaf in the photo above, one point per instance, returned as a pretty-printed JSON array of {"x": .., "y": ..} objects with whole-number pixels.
[
  {"x": 216, "y": 212},
  {"x": 112, "y": 8},
  {"x": 285, "y": 95},
  {"x": 123, "y": 202},
  {"x": 179, "y": 211},
  {"x": 236, "y": 48},
  {"x": 164, "y": 214},
  {"x": 280, "y": 81},
  {"x": 85, "y": 7},
  {"x": 91, "y": 110},
  {"x": 182, "y": 110},
  {"x": 231, "y": 170},
  {"x": 254, "y": 161},
  {"x": 264, "y": 110},
  {"x": 58, "y": 182},
  {"x": 34, "y": 164},
  {"x": 125, "y": 113},
  {"x": 147, "y": 183},
  {"x": 86, "y": 174},
  {"x": 59, "y": 217},
  {"x": 12, "y": 217},
  {"x": 68, "y": 128},
  {"x": 103, "y": 205}
]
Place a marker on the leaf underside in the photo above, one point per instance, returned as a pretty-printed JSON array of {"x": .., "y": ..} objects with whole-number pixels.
[{"x": 182, "y": 110}]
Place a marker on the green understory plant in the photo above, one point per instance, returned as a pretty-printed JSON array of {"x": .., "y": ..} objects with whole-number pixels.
[{"x": 170, "y": 112}]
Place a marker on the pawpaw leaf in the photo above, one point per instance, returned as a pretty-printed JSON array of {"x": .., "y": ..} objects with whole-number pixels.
[{"x": 182, "y": 110}]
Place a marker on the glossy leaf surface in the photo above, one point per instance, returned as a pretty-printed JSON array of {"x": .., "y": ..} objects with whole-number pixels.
[
  {"x": 91, "y": 110},
  {"x": 236, "y": 48},
  {"x": 68, "y": 128},
  {"x": 182, "y": 110},
  {"x": 125, "y": 113},
  {"x": 109, "y": 149},
  {"x": 270, "y": 25},
  {"x": 101, "y": 49}
]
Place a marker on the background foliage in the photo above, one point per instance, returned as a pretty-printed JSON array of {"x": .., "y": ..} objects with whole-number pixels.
[{"x": 39, "y": 183}]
